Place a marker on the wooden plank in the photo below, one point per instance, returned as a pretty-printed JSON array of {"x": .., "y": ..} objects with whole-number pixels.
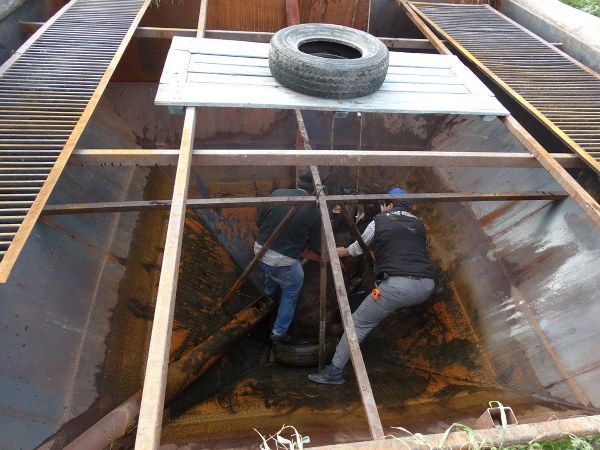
[
  {"x": 395, "y": 75},
  {"x": 225, "y": 78},
  {"x": 152, "y": 405},
  {"x": 222, "y": 47},
  {"x": 220, "y": 73},
  {"x": 200, "y": 58},
  {"x": 424, "y": 72},
  {"x": 471, "y": 81},
  {"x": 280, "y": 97},
  {"x": 248, "y": 73}
]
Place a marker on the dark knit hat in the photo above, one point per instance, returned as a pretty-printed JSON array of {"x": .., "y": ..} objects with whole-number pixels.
[{"x": 305, "y": 180}]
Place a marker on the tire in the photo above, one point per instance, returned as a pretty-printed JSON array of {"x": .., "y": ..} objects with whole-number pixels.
[
  {"x": 304, "y": 353},
  {"x": 328, "y": 61}
]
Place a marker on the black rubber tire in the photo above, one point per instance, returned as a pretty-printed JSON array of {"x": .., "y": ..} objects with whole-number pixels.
[
  {"x": 304, "y": 353},
  {"x": 328, "y": 61}
]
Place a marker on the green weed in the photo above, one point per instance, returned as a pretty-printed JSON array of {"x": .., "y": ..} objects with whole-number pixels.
[
  {"x": 589, "y": 6},
  {"x": 474, "y": 441}
]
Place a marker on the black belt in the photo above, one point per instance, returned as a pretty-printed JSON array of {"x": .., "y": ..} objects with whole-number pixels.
[{"x": 410, "y": 277}]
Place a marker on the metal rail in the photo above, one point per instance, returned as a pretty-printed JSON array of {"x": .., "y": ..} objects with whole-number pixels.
[
  {"x": 563, "y": 94},
  {"x": 48, "y": 90}
]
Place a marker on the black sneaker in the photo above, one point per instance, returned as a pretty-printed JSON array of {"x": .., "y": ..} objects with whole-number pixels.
[
  {"x": 282, "y": 338},
  {"x": 323, "y": 377}
]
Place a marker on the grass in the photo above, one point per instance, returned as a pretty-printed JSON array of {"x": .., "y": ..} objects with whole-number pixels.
[
  {"x": 477, "y": 442},
  {"x": 569, "y": 441},
  {"x": 589, "y": 6},
  {"x": 295, "y": 441}
]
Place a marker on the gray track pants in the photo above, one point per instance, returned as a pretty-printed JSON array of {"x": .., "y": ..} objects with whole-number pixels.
[{"x": 396, "y": 292}]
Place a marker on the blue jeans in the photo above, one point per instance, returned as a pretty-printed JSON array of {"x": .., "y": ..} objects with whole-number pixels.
[
  {"x": 290, "y": 279},
  {"x": 396, "y": 292}
]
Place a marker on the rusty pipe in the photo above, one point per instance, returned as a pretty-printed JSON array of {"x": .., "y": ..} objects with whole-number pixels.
[
  {"x": 181, "y": 374},
  {"x": 496, "y": 436}
]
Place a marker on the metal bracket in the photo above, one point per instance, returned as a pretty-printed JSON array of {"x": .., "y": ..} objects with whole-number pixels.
[{"x": 492, "y": 417}]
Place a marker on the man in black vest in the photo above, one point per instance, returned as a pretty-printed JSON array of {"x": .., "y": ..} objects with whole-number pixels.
[
  {"x": 280, "y": 263},
  {"x": 403, "y": 271}
]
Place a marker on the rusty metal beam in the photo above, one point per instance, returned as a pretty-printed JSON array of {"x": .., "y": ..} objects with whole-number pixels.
[
  {"x": 152, "y": 406},
  {"x": 281, "y": 157},
  {"x": 201, "y": 203},
  {"x": 250, "y": 36},
  {"x": 357, "y": 236},
  {"x": 323, "y": 267},
  {"x": 406, "y": 43},
  {"x": 276, "y": 233},
  {"x": 362, "y": 378},
  {"x": 155, "y": 379},
  {"x": 491, "y": 437},
  {"x": 569, "y": 184},
  {"x": 328, "y": 242}
]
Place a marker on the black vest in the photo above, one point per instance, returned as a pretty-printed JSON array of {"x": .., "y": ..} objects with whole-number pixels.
[{"x": 400, "y": 245}]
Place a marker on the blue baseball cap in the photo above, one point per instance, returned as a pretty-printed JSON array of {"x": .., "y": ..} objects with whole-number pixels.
[{"x": 397, "y": 190}]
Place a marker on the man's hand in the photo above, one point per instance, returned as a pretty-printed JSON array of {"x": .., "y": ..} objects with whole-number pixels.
[{"x": 342, "y": 251}]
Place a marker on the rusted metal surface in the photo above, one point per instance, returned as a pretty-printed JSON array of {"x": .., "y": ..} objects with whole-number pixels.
[
  {"x": 42, "y": 86},
  {"x": 562, "y": 93}
]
